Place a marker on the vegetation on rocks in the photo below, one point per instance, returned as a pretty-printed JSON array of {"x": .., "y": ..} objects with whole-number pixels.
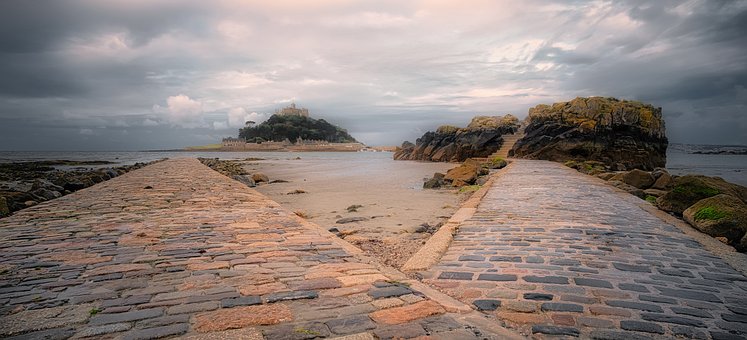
[
  {"x": 721, "y": 216},
  {"x": 619, "y": 133},
  {"x": 688, "y": 190},
  {"x": 279, "y": 128},
  {"x": 710, "y": 213}
]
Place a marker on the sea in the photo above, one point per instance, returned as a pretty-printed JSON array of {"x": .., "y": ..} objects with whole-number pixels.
[{"x": 681, "y": 158}]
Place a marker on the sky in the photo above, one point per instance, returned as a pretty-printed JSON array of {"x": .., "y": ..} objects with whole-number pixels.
[{"x": 145, "y": 74}]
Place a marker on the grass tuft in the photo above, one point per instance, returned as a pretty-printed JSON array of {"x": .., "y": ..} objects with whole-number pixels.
[{"x": 710, "y": 213}]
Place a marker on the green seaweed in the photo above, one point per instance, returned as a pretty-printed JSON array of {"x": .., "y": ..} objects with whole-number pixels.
[
  {"x": 710, "y": 213},
  {"x": 695, "y": 190},
  {"x": 650, "y": 199},
  {"x": 469, "y": 188}
]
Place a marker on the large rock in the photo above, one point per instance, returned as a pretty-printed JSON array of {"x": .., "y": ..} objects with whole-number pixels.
[
  {"x": 260, "y": 177},
  {"x": 720, "y": 216},
  {"x": 619, "y": 133},
  {"x": 637, "y": 178},
  {"x": 452, "y": 144},
  {"x": 663, "y": 182},
  {"x": 687, "y": 190},
  {"x": 464, "y": 174},
  {"x": 435, "y": 182}
]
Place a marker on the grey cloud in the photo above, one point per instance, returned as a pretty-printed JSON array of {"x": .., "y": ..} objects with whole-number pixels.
[{"x": 386, "y": 71}]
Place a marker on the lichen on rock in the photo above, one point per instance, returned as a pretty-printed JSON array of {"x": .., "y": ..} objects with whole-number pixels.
[{"x": 620, "y": 133}]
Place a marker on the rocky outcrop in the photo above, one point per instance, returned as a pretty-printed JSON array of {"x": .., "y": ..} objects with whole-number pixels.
[
  {"x": 481, "y": 138},
  {"x": 720, "y": 216},
  {"x": 25, "y": 184},
  {"x": 622, "y": 134}
]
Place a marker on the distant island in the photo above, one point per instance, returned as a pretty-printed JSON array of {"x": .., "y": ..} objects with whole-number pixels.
[{"x": 291, "y": 129}]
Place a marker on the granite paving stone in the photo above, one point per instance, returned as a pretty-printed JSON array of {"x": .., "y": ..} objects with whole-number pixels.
[
  {"x": 196, "y": 255},
  {"x": 609, "y": 268}
]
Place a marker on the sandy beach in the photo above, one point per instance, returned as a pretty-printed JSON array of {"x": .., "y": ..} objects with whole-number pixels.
[{"x": 393, "y": 205}]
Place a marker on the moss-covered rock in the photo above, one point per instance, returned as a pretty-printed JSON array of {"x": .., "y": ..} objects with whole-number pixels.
[
  {"x": 620, "y": 133},
  {"x": 496, "y": 163},
  {"x": 720, "y": 216},
  {"x": 587, "y": 167},
  {"x": 687, "y": 190}
]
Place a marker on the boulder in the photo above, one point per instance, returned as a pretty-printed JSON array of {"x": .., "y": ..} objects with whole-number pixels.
[
  {"x": 496, "y": 163},
  {"x": 629, "y": 188},
  {"x": 658, "y": 172},
  {"x": 720, "y": 216},
  {"x": 246, "y": 180},
  {"x": 436, "y": 182},
  {"x": 606, "y": 175},
  {"x": 481, "y": 138},
  {"x": 689, "y": 189},
  {"x": 45, "y": 195},
  {"x": 637, "y": 178},
  {"x": 663, "y": 182},
  {"x": 260, "y": 177},
  {"x": 464, "y": 174},
  {"x": 619, "y": 133}
]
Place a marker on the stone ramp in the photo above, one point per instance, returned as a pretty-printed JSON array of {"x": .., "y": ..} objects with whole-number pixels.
[
  {"x": 552, "y": 252},
  {"x": 508, "y": 143},
  {"x": 178, "y": 250}
]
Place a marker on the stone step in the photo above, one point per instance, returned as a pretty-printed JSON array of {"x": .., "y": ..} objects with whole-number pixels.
[{"x": 508, "y": 144}]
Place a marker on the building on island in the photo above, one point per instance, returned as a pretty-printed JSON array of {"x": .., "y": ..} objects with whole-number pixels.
[
  {"x": 233, "y": 142},
  {"x": 292, "y": 111}
]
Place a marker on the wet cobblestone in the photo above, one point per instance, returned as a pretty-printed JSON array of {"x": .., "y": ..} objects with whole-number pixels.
[{"x": 591, "y": 259}]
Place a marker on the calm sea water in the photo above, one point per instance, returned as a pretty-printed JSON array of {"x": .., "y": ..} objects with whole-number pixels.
[{"x": 680, "y": 159}]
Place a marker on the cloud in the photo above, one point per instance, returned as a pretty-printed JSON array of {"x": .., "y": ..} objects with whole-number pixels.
[
  {"x": 184, "y": 111},
  {"x": 150, "y": 122},
  {"x": 238, "y": 116},
  {"x": 387, "y": 71},
  {"x": 86, "y": 132}
]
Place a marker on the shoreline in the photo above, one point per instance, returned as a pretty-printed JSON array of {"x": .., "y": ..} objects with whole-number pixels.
[{"x": 376, "y": 204}]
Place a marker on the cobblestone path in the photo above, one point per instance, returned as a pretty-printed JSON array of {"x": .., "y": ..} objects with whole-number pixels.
[
  {"x": 176, "y": 249},
  {"x": 554, "y": 252}
]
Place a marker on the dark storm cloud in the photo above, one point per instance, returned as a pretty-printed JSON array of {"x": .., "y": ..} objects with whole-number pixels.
[{"x": 144, "y": 74}]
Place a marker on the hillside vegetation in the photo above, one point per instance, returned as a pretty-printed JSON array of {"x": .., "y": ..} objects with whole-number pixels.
[{"x": 278, "y": 128}]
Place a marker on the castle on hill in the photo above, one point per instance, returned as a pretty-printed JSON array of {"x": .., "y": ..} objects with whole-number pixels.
[{"x": 292, "y": 111}]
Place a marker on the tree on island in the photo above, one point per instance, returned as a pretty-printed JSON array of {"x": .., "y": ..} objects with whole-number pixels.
[{"x": 280, "y": 127}]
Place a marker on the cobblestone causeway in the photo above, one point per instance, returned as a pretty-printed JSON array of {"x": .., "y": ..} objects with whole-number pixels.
[
  {"x": 554, "y": 252},
  {"x": 178, "y": 250}
]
